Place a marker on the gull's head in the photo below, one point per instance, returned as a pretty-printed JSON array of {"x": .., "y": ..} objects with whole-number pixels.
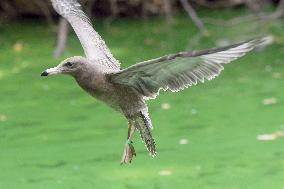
[{"x": 69, "y": 66}]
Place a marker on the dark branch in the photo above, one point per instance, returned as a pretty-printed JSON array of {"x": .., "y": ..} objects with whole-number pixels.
[
  {"x": 191, "y": 12},
  {"x": 62, "y": 35}
]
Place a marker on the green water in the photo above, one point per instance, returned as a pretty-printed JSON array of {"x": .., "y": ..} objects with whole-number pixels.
[{"x": 54, "y": 136}]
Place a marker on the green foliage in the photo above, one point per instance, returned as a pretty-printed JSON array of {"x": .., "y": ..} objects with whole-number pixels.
[{"x": 53, "y": 135}]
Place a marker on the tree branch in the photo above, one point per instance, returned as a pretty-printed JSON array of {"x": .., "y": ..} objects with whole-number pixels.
[
  {"x": 194, "y": 17},
  {"x": 43, "y": 6},
  {"x": 168, "y": 10},
  {"x": 62, "y": 35},
  {"x": 261, "y": 16}
]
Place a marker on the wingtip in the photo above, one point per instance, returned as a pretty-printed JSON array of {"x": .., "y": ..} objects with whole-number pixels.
[
  {"x": 267, "y": 40},
  {"x": 263, "y": 41}
]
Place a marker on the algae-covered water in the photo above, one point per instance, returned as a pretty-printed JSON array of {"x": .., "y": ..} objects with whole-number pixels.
[{"x": 54, "y": 136}]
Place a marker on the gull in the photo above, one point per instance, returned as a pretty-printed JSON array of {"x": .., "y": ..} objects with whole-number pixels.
[{"x": 127, "y": 90}]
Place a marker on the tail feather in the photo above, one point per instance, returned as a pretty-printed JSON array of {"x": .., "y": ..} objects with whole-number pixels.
[{"x": 142, "y": 123}]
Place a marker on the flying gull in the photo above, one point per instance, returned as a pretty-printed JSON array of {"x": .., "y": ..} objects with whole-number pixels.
[{"x": 126, "y": 90}]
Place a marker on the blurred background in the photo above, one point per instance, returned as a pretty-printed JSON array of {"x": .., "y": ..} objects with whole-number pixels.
[{"x": 226, "y": 133}]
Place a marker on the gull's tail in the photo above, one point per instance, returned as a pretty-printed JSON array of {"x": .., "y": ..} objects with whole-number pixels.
[{"x": 142, "y": 123}]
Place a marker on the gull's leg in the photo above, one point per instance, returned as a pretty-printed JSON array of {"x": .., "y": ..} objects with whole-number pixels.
[{"x": 129, "y": 150}]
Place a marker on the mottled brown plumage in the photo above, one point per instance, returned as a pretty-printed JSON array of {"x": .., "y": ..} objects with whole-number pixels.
[{"x": 127, "y": 90}]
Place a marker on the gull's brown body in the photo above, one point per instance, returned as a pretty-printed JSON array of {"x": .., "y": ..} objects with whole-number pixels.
[
  {"x": 121, "y": 98},
  {"x": 98, "y": 84},
  {"x": 126, "y": 90},
  {"x": 93, "y": 79}
]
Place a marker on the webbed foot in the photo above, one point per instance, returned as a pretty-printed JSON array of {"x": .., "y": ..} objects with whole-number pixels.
[{"x": 129, "y": 152}]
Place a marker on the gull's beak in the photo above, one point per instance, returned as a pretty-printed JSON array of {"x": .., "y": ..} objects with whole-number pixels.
[{"x": 51, "y": 71}]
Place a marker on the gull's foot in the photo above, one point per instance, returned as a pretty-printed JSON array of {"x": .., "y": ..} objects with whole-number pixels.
[{"x": 128, "y": 153}]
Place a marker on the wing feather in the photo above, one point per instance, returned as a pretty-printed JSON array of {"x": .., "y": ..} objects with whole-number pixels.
[
  {"x": 92, "y": 43},
  {"x": 176, "y": 72}
]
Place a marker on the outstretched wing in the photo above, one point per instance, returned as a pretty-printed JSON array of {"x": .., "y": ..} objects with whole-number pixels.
[
  {"x": 92, "y": 43},
  {"x": 178, "y": 71}
]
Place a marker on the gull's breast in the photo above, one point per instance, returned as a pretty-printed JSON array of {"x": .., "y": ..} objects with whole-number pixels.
[{"x": 119, "y": 97}]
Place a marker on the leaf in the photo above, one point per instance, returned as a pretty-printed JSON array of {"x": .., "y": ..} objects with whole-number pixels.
[
  {"x": 266, "y": 137},
  {"x": 269, "y": 101},
  {"x": 183, "y": 141},
  {"x": 18, "y": 47},
  {"x": 277, "y": 75},
  {"x": 272, "y": 136},
  {"x": 3, "y": 118},
  {"x": 165, "y": 106},
  {"x": 165, "y": 173}
]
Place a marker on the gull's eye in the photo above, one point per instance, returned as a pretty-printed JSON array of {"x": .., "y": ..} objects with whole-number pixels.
[{"x": 69, "y": 64}]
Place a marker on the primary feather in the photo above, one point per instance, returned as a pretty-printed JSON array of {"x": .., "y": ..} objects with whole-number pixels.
[{"x": 178, "y": 71}]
